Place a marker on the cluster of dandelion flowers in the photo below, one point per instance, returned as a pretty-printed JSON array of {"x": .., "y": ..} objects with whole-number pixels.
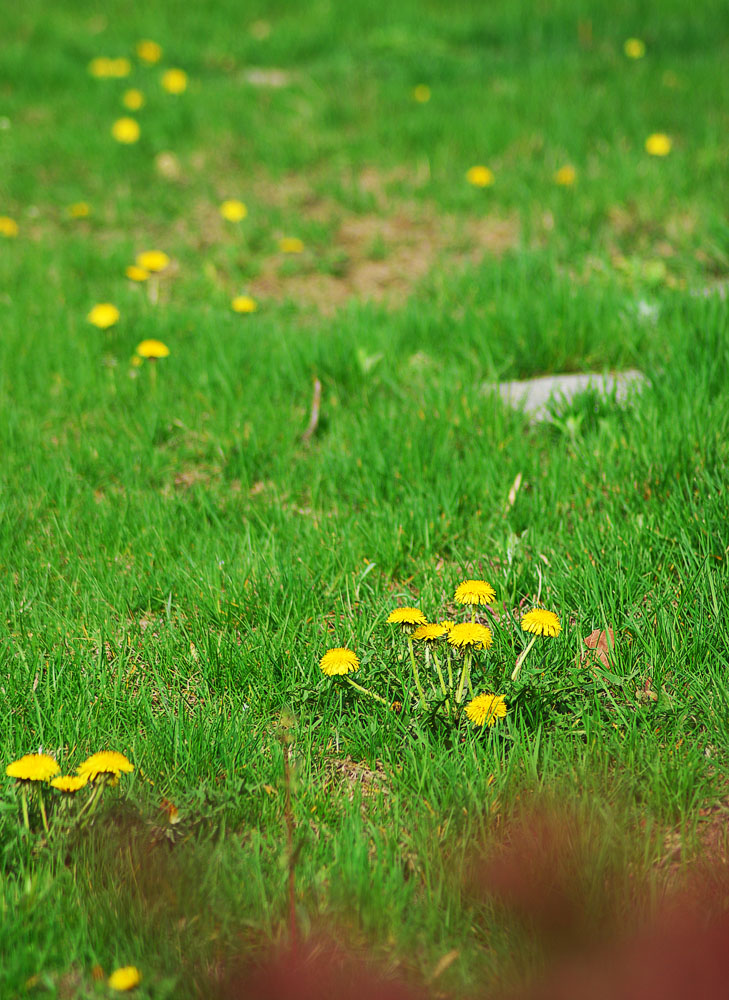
[
  {"x": 243, "y": 304},
  {"x": 233, "y": 210},
  {"x": 103, "y": 315},
  {"x": 126, "y": 130},
  {"x": 485, "y": 709},
  {"x": 467, "y": 635},
  {"x": 106, "y": 762},
  {"x": 126, "y": 978},
  {"x": 104, "y": 68},
  {"x": 475, "y": 592},
  {"x": 480, "y": 176},
  {"x": 339, "y": 661},
  {"x": 33, "y": 767},
  {"x": 430, "y": 632},
  {"x": 174, "y": 81},
  {"x": 539, "y": 621}
]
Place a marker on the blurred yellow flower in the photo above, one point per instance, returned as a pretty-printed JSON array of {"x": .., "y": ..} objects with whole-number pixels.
[
  {"x": 125, "y": 978},
  {"x": 149, "y": 52},
  {"x": 135, "y": 273},
  {"x": 565, "y": 176},
  {"x": 658, "y": 144},
  {"x": 244, "y": 304},
  {"x": 152, "y": 350},
  {"x": 102, "y": 67},
  {"x": 70, "y": 782},
  {"x": 634, "y": 48},
  {"x": 291, "y": 244},
  {"x": 8, "y": 226},
  {"x": 79, "y": 210},
  {"x": 125, "y": 130},
  {"x": 103, "y": 315},
  {"x": 174, "y": 81},
  {"x": 233, "y": 210},
  {"x": 133, "y": 99},
  {"x": 480, "y": 176},
  {"x": 421, "y": 93},
  {"x": 33, "y": 767},
  {"x": 152, "y": 260}
]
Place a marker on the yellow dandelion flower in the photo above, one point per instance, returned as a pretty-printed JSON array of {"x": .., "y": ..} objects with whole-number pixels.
[
  {"x": 100, "y": 67},
  {"x": 243, "y": 304},
  {"x": 135, "y": 273},
  {"x": 152, "y": 260},
  {"x": 470, "y": 634},
  {"x": 233, "y": 210},
  {"x": 103, "y": 315},
  {"x": 8, "y": 226},
  {"x": 79, "y": 210},
  {"x": 541, "y": 622},
  {"x": 149, "y": 52},
  {"x": 485, "y": 709},
  {"x": 119, "y": 68},
  {"x": 421, "y": 93},
  {"x": 407, "y": 617},
  {"x": 152, "y": 350},
  {"x": 291, "y": 244},
  {"x": 480, "y": 176},
  {"x": 70, "y": 782},
  {"x": 565, "y": 176},
  {"x": 33, "y": 767},
  {"x": 475, "y": 592},
  {"x": 105, "y": 762},
  {"x": 174, "y": 81},
  {"x": 658, "y": 144},
  {"x": 133, "y": 99},
  {"x": 125, "y": 130},
  {"x": 126, "y": 978},
  {"x": 634, "y": 48},
  {"x": 430, "y": 633},
  {"x": 339, "y": 661},
  {"x": 447, "y": 623}
]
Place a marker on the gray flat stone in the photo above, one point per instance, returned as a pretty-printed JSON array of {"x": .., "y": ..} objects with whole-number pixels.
[{"x": 534, "y": 395}]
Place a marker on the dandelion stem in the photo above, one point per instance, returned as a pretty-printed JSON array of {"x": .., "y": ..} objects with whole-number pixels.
[
  {"x": 364, "y": 690},
  {"x": 43, "y": 813},
  {"x": 416, "y": 675},
  {"x": 24, "y": 804},
  {"x": 465, "y": 676},
  {"x": 440, "y": 673},
  {"x": 520, "y": 659}
]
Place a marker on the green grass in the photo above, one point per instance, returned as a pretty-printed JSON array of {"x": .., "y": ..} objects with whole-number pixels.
[{"x": 175, "y": 559}]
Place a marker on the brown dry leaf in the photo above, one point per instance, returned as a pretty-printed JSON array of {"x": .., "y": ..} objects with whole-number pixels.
[{"x": 602, "y": 643}]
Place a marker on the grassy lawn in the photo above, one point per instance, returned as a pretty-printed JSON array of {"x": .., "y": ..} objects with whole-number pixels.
[{"x": 181, "y": 544}]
